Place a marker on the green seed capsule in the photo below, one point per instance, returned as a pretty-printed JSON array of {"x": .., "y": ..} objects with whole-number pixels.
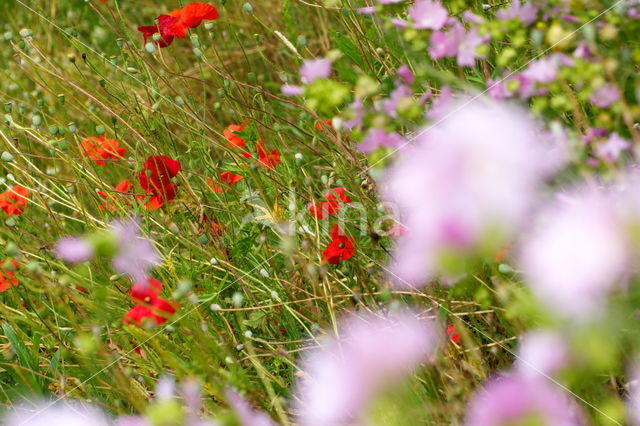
[
  {"x": 247, "y": 7},
  {"x": 100, "y": 130},
  {"x": 6, "y": 157}
]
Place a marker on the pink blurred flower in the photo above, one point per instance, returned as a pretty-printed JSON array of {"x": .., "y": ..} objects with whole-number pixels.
[
  {"x": 441, "y": 105},
  {"x": 526, "y": 13},
  {"x": 377, "y": 138},
  {"x": 544, "y": 70},
  {"x": 56, "y": 413},
  {"x": 428, "y": 14},
  {"x": 498, "y": 89},
  {"x": 73, "y": 250},
  {"x": 372, "y": 351},
  {"x": 605, "y": 96},
  {"x": 390, "y": 105},
  {"x": 467, "y": 49},
  {"x": 291, "y": 90},
  {"x": 541, "y": 352},
  {"x": 633, "y": 403},
  {"x": 246, "y": 414},
  {"x": 514, "y": 399},
  {"x": 611, "y": 149},
  {"x": 577, "y": 254},
  {"x": 583, "y": 51},
  {"x": 313, "y": 69},
  {"x": 445, "y": 44},
  {"x": 451, "y": 194},
  {"x": 135, "y": 255},
  {"x": 405, "y": 74}
]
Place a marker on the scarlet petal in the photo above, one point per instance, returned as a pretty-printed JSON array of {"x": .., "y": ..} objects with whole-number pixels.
[
  {"x": 194, "y": 13},
  {"x": 171, "y": 27},
  {"x": 231, "y": 135},
  {"x": 149, "y": 30},
  {"x": 230, "y": 178},
  {"x": 123, "y": 186}
]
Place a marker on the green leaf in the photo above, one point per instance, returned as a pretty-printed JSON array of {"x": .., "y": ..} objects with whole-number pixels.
[{"x": 26, "y": 358}]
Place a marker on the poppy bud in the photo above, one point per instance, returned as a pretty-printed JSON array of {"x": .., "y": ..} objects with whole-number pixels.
[
  {"x": 237, "y": 299},
  {"x": 6, "y": 157},
  {"x": 11, "y": 249},
  {"x": 247, "y": 7},
  {"x": 150, "y": 47}
]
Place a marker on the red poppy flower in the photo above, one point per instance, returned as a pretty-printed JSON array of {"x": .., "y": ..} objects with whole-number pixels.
[
  {"x": 149, "y": 30},
  {"x": 122, "y": 187},
  {"x": 453, "y": 334},
  {"x": 176, "y": 23},
  {"x": 502, "y": 253},
  {"x": 340, "y": 248},
  {"x": 7, "y": 272},
  {"x": 14, "y": 201},
  {"x": 231, "y": 135},
  {"x": 179, "y": 21},
  {"x": 214, "y": 228},
  {"x": 100, "y": 149},
  {"x": 320, "y": 126},
  {"x": 139, "y": 314},
  {"x": 227, "y": 178},
  {"x": 324, "y": 209},
  {"x": 147, "y": 291},
  {"x": 267, "y": 159},
  {"x": 151, "y": 306},
  {"x": 155, "y": 180}
]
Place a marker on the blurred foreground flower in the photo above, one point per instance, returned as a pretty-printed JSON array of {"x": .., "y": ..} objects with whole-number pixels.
[
  {"x": 131, "y": 253},
  {"x": 577, "y": 254},
  {"x": 55, "y": 413},
  {"x": 465, "y": 187},
  {"x": 513, "y": 399},
  {"x": 347, "y": 372}
]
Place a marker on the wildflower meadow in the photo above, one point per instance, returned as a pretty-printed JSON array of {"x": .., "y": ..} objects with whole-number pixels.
[{"x": 319, "y": 212}]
